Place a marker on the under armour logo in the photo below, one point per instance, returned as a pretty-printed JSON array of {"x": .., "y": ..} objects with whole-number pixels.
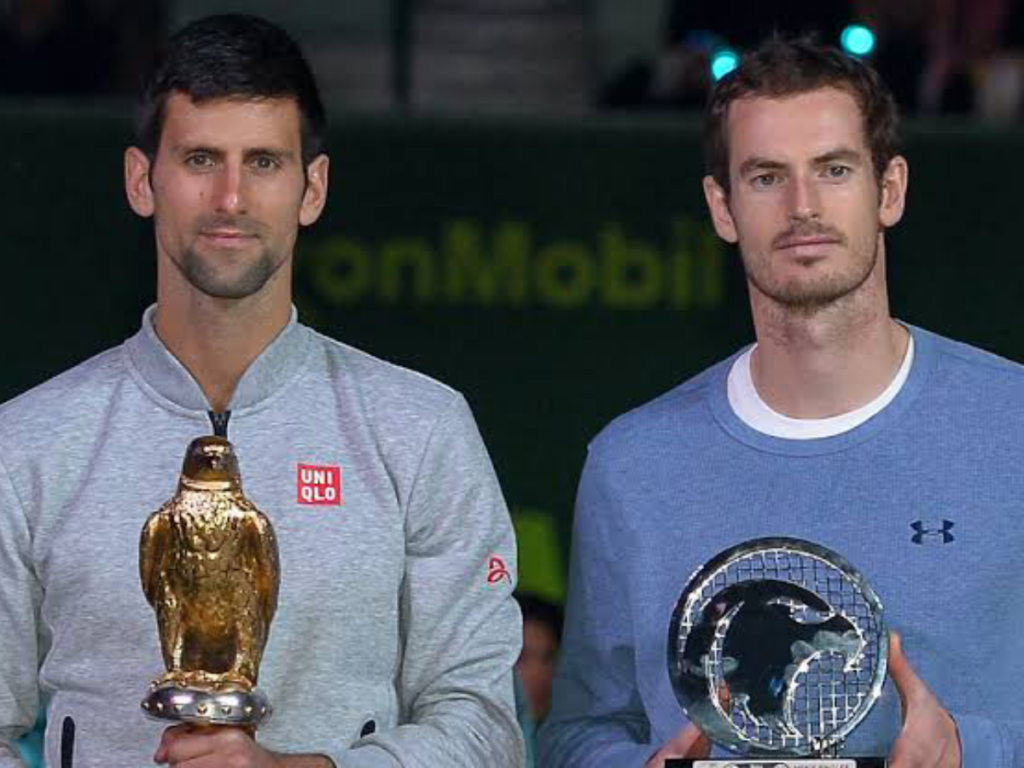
[
  {"x": 921, "y": 532},
  {"x": 497, "y": 571}
]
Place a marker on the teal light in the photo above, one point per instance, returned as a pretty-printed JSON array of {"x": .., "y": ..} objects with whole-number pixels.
[
  {"x": 723, "y": 62},
  {"x": 858, "y": 40}
]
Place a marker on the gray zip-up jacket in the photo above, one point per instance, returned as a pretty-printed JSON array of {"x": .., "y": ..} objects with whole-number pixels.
[{"x": 396, "y": 631}]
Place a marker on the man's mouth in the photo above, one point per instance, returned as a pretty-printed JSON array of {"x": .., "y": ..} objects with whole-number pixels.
[
  {"x": 809, "y": 241},
  {"x": 227, "y": 237}
]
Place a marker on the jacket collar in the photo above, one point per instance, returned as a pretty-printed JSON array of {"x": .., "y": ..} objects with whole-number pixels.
[{"x": 276, "y": 366}]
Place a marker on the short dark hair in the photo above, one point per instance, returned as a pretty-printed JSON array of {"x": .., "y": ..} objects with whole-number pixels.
[
  {"x": 786, "y": 67},
  {"x": 231, "y": 56},
  {"x": 536, "y": 608}
]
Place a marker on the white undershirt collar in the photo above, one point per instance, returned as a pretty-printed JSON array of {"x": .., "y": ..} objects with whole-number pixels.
[{"x": 756, "y": 413}]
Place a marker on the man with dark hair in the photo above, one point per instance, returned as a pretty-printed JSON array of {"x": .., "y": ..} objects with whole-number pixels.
[
  {"x": 393, "y": 643},
  {"x": 232, "y": 57},
  {"x": 542, "y": 634},
  {"x": 881, "y": 441}
]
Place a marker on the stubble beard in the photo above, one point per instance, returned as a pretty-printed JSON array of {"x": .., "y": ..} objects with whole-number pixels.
[
  {"x": 203, "y": 275},
  {"x": 804, "y": 298}
]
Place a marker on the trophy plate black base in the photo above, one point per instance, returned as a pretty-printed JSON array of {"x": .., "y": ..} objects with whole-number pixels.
[{"x": 779, "y": 762}]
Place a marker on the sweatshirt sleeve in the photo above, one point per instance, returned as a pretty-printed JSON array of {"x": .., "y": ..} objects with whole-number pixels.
[
  {"x": 597, "y": 717},
  {"x": 985, "y": 742},
  {"x": 20, "y": 596},
  {"x": 461, "y": 627}
]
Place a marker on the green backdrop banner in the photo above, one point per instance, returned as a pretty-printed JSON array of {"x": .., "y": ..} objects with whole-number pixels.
[{"x": 558, "y": 274}]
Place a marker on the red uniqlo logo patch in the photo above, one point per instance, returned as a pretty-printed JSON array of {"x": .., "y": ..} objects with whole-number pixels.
[{"x": 320, "y": 485}]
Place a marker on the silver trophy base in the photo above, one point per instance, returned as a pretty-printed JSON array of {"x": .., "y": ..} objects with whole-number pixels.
[
  {"x": 202, "y": 707},
  {"x": 781, "y": 762}
]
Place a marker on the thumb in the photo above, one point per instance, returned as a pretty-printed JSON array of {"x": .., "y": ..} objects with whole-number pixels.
[
  {"x": 161, "y": 751},
  {"x": 692, "y": 743},
  {"x": 908, "y": 684},
  {"x": 701, "y": 747},
  {"x": 689, "y": 742}
]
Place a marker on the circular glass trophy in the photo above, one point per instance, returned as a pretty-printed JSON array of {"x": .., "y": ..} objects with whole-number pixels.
[{"x": 777, "y": 651}]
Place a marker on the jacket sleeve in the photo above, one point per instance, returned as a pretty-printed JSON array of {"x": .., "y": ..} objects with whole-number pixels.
[
  {"x": 597, "y": 717},
  {"x": 20, "y": 596},
  {"x": 461, "y": 627}
]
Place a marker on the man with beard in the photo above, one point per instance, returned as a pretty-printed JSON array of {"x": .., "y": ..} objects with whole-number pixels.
[
  {"x": 393, "y": 643},
  {"x": 895, "y": 447}
]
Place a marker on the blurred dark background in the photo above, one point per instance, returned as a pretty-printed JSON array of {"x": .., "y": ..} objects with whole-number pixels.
[
  {"x": 515, "y": 204},
  {"x": 941, "y": 57}
]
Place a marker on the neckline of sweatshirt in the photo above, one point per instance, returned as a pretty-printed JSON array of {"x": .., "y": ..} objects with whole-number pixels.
[
  {"x": 926, "y": 356},
  {"x": 169, "y": 382}
]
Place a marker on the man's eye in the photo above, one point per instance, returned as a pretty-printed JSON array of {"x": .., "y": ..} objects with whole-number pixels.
[
  {"x": 265, "y": 163},
  {"x": 837, "y": 171},
  {"x": 199, "y": 160},
  {"x": 765, "y": 180}
]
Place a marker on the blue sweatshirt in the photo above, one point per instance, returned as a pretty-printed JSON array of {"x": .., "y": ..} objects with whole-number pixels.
[{"x": 926, "y": 499}]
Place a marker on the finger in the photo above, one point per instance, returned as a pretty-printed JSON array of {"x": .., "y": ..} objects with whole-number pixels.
[
  {"x": 169, "y": 736},
  {"x": 909, "y": 752},
  {"x": 903, "y": 752},
  {"x": 929, "y": 736},
  {"x": 215, "y": 760},
  {"x": 196, "y": 742},
  {"x": 690, "y": 743},
  {"x": 725, "y": 697},
  {"x": 700, "y": 748},
  {"x": 908, "y": 684},
  {"x": 186, "y": 747}
]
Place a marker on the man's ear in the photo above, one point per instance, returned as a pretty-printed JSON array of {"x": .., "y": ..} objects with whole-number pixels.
[
  {"x": 136, "y": 181},
  {"x": 718, "y": 205},
  {"x": 315, "y": 197},
  {"x": 893, "y": 197}
]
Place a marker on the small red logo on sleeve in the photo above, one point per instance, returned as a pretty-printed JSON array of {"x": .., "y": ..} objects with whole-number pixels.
[
  {"x": 497, "y": 571},
  {"x": 320, "y": 486}
]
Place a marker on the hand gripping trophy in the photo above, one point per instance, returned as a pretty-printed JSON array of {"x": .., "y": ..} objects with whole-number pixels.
[
  {"x": 777, "y": 651},
  {"x": 209, "y": 567}
]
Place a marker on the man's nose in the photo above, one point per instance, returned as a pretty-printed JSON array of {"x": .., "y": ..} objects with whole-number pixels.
[
  {"x": 804, "y": 199},
  {"x": 229, "y": 192}
]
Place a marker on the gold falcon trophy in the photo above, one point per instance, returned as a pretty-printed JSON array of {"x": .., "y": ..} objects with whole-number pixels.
[{"x": 209, "y": 567}]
